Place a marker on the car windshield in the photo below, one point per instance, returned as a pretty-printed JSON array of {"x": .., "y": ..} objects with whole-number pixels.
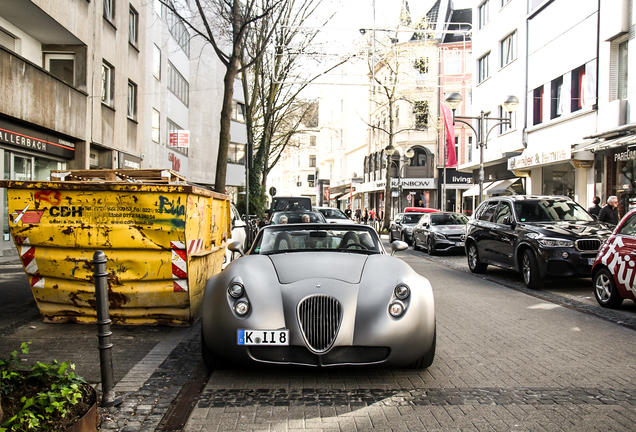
[
  {"x": 411, "y": 218},
  {"x": 297, "y": 217},
  {"x": 449, "y": 219},
  {"x": 550, "y": 211},
  {"x": 296, "y": 238},
  {"x": 332, "y": 213}
]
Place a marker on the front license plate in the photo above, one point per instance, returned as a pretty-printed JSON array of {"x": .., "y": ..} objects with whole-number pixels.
[
  {"x": 458, "y": 244},
  {"x": 590, "y": 261},
  {"x": 263, "y": 337}
]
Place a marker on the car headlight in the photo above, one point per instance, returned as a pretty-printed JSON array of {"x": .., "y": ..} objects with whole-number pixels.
[
  {"x": 439, "y": 236},
  {"x": 402, "y": 291},
  {"x": 554, "y": 242},
  {"x": 236, "y": 290},
  {"x": 396, "y": 308},
  {"x": 408, "y": 229},
  {"x": 241, "y": 307}
]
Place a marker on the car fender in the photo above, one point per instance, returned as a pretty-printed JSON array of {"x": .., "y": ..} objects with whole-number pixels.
[{"x": 541, "y": 262}]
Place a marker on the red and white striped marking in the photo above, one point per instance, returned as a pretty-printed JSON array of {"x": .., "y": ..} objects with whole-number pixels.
[
  {"x": 195, "y": 246},
  {"x": 27, "y": 254},
  {"x": 179, "y": 266}
]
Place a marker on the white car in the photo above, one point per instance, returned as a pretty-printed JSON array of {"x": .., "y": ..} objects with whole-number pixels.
[
  {"x": 334, "y": 215},
  {"x": 239, "y": 233}
]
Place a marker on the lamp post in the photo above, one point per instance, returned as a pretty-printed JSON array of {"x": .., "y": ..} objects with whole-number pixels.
[
  {"x": 454, "y": 101},
  {"x": 408, "y": 154},
  {"x": 389, "y": 150}
]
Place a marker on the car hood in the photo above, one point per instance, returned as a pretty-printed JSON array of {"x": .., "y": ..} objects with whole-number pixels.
[
  {"x": 449, "y": 229},
  {"x": 570, "y": 229},
  {"x": 292, "y": 267}
]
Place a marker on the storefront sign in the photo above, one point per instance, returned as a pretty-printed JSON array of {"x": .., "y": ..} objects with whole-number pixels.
[
  {"x": 127, "y": 161},
  {"x": 31, "y": 139},
  {"x": 180, "y": 138},
  {"x": 533, "y": 159},
  {"x": 625, "y": 155},
  {"x": 454, "y": 177},
  {"x": 407, "y": 183}
]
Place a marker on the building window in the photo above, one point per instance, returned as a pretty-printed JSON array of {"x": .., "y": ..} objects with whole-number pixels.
[
  {"x": 452, "y": 62},
  {"x": 484, "y": 13},
  {"x": 504, "y": 2},
  {"x": 623, "y": 55},
  {"x": 61, "y": 66},
  {"x": 556, "y": 100},
  {"x": 173, "y": 127},
  {"x": 108, "y": 84},
  {"x": 178, "y": 85},
  {"x": 421, "y": 68},
  {"x": 312, "y": 140},
  {"x": 537, "y": 106},
  {"x": 470, "y": 148},
  {"x": 156, "y": 63},
  {"x": 179, "y": 32},
  {"x": 236, "y": 153},
  {"x": 158, "y": 7},
  {"x": 456, "y": 148},
  {"x": 132, "y": 100},
  {"x": 109, "y": 10},
  {"x": 7, "y": 40},
  {"x": 508, "y": 47},
  {"x": 484, "y": 70},
  {"x": 420, "y": 109},
  {"x": 312, "y": 161},
  {"x": 238, "y": 112},
  {"x": 133, "y": 26},
  {"x": 503, "y": 128},
  {"x": 156, "y": 125},
  {"x": 577, "y": 93}
]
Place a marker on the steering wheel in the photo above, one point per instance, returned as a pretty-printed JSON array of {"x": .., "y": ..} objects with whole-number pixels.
[{"x": 360, "y": 245}]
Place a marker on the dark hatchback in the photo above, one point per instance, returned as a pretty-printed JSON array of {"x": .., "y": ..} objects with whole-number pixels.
[{"x": 539, "y": 236}]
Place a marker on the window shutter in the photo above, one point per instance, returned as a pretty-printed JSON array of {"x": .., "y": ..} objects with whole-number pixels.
[{"x": 7, "y": 41}]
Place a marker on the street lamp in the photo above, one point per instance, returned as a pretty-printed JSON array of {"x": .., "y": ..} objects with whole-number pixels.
[
  {"x": 510, "y": 104},
  {"x": 408, "y": 154}
]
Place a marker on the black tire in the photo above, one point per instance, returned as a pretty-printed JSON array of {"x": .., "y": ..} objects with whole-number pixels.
[
  {"x": 530, "y": 270},
  {"x": 430, "y": 247},
  {"x": 211, "y": 361},
  {"x": 415, "y": 246},
  {"x": 605, "y": 290},
  {"x": 404, "y": 239},
  {"x": 474, "y": 264},
  {"x": 428, "y": 358},
  {"x": 391, "y": 239}
]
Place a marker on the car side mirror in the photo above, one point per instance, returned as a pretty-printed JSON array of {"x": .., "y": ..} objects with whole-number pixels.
[
  {"x": 508, "y": 220},
  {"x": 236, "y": 247},
  {"x": 398, "y": 246}
]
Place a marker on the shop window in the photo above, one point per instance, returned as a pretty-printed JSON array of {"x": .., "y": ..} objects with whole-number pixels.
[
  {"x": 420, "y": 109},
  {"x": 508, "y": 49},
  {"x": 483, "y": 68},
  {"x": 537, "y": 106},
  {"x": 133, "y": 26},
  {"x": 61, "y": 65},
  {"x": 556, "y": 97},
  {"x": 108, "y": 84}
]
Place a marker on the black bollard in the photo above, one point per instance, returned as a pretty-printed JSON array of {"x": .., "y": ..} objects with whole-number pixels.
[{"x": 103, "y": 329}]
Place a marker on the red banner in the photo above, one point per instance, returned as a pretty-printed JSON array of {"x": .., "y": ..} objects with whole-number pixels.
[{"x": 451, "y": 157}]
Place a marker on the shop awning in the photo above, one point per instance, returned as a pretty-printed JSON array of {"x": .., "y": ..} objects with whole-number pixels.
[
  {"x": 607, "y": 143},
  {"x": 474, "y": 191},
  {"x": 499, "y": 187}
]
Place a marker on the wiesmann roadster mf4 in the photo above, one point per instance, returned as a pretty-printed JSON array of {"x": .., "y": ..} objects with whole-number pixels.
[{"x": 319, "y": 295}]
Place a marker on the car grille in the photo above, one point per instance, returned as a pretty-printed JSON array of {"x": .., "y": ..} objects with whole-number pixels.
[
  {"x": 319, "y": 318},
  {"x": 455, "y": 237},
  {"x": 300, "y": 355},
  {"x": 587, "y": 245}
]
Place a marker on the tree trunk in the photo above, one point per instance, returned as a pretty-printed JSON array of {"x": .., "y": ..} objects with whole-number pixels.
[{"x": 226, "y": 121}]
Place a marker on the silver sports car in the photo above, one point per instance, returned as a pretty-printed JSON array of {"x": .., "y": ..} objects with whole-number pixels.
[{"x": 319, "y": 295}]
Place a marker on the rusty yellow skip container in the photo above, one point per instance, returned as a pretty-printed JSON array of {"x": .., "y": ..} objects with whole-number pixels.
[{"x": 162, "y": 242}]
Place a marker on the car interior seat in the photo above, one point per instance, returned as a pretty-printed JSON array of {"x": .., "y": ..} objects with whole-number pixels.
[
  {"x": 283, "y": 242},
  {"x": 348, "y": 238}
]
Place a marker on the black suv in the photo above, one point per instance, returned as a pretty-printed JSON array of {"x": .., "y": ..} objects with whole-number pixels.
[{"x": 539, "y": 236}]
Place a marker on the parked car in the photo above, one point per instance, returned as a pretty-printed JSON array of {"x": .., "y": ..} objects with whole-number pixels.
[
  {"x": 239, "y": 233},
  {"x": 288, "y": 203},
  {"x": 420, "y": 210},
  {"x": 440, "y": 232},
  {"x": 613, "y": 272},
  {"x": 293, "y": 217},
  {"x": 401, "y": 227},
  {"x": 333, "y": 215},
  {"x": 539, "y": 236},
  {"x": 318, "y": 295}
]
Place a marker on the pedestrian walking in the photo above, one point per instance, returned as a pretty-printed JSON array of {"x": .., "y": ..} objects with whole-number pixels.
[
  {"x": 365, "y": 216},
  {"x": 372, "y": 217},
  {"x": 596, "y": 208},
  {"x": 358, "y": 214},
  {"x": 609, "y": 212},
  {"x": 348, "y": 211}
]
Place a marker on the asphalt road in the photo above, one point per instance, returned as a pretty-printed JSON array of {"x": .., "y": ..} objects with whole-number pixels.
[{"x": 506, "y": 359}]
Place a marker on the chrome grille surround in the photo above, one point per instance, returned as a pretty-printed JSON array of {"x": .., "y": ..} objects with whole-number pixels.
[
  {"x": 319, "y": 317},
  {"x": 588, "y": 245}
]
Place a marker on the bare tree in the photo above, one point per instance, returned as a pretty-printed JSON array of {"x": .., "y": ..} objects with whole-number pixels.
[{"x": 226, "y": 25}]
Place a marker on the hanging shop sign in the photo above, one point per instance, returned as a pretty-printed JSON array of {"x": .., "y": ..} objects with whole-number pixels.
[{"x": 31, "y": 139}]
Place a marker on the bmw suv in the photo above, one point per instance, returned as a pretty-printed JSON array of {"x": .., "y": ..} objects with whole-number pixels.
[{"x": 541, "y": 237}]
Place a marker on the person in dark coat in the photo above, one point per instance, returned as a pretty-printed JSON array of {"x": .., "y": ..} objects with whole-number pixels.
[
  {"x": 596, "y": 208},
  {"x": 609, "y": 212}
]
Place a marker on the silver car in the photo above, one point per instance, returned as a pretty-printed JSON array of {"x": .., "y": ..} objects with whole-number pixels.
[
  {"x": 334, "y": 215},
  {"x": 319, "y": 295},
  {"x": 440, "y": 232}
]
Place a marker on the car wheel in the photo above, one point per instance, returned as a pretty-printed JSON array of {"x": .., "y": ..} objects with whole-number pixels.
[
  {"x": 605, "y": 290},
  {"x": 415, "y": 246},
  {"x": 404, "y": 239},
  {"x": 530, "y": 270},
  {"x": 211, "y": 361},
  {"x": 474, "y": 264},
  {"x": 430, "y": 247},
  {"x": 427, "y": 359},
  {"x": 391, "y": 239}
]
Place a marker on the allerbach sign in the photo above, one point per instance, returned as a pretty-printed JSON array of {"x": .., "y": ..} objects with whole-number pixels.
[
  {"x": 530, "y": 159},
  {"x": 32, "y": 139}
]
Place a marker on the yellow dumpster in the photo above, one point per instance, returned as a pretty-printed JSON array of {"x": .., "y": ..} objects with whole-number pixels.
[{"x": 162, "y": 242}]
